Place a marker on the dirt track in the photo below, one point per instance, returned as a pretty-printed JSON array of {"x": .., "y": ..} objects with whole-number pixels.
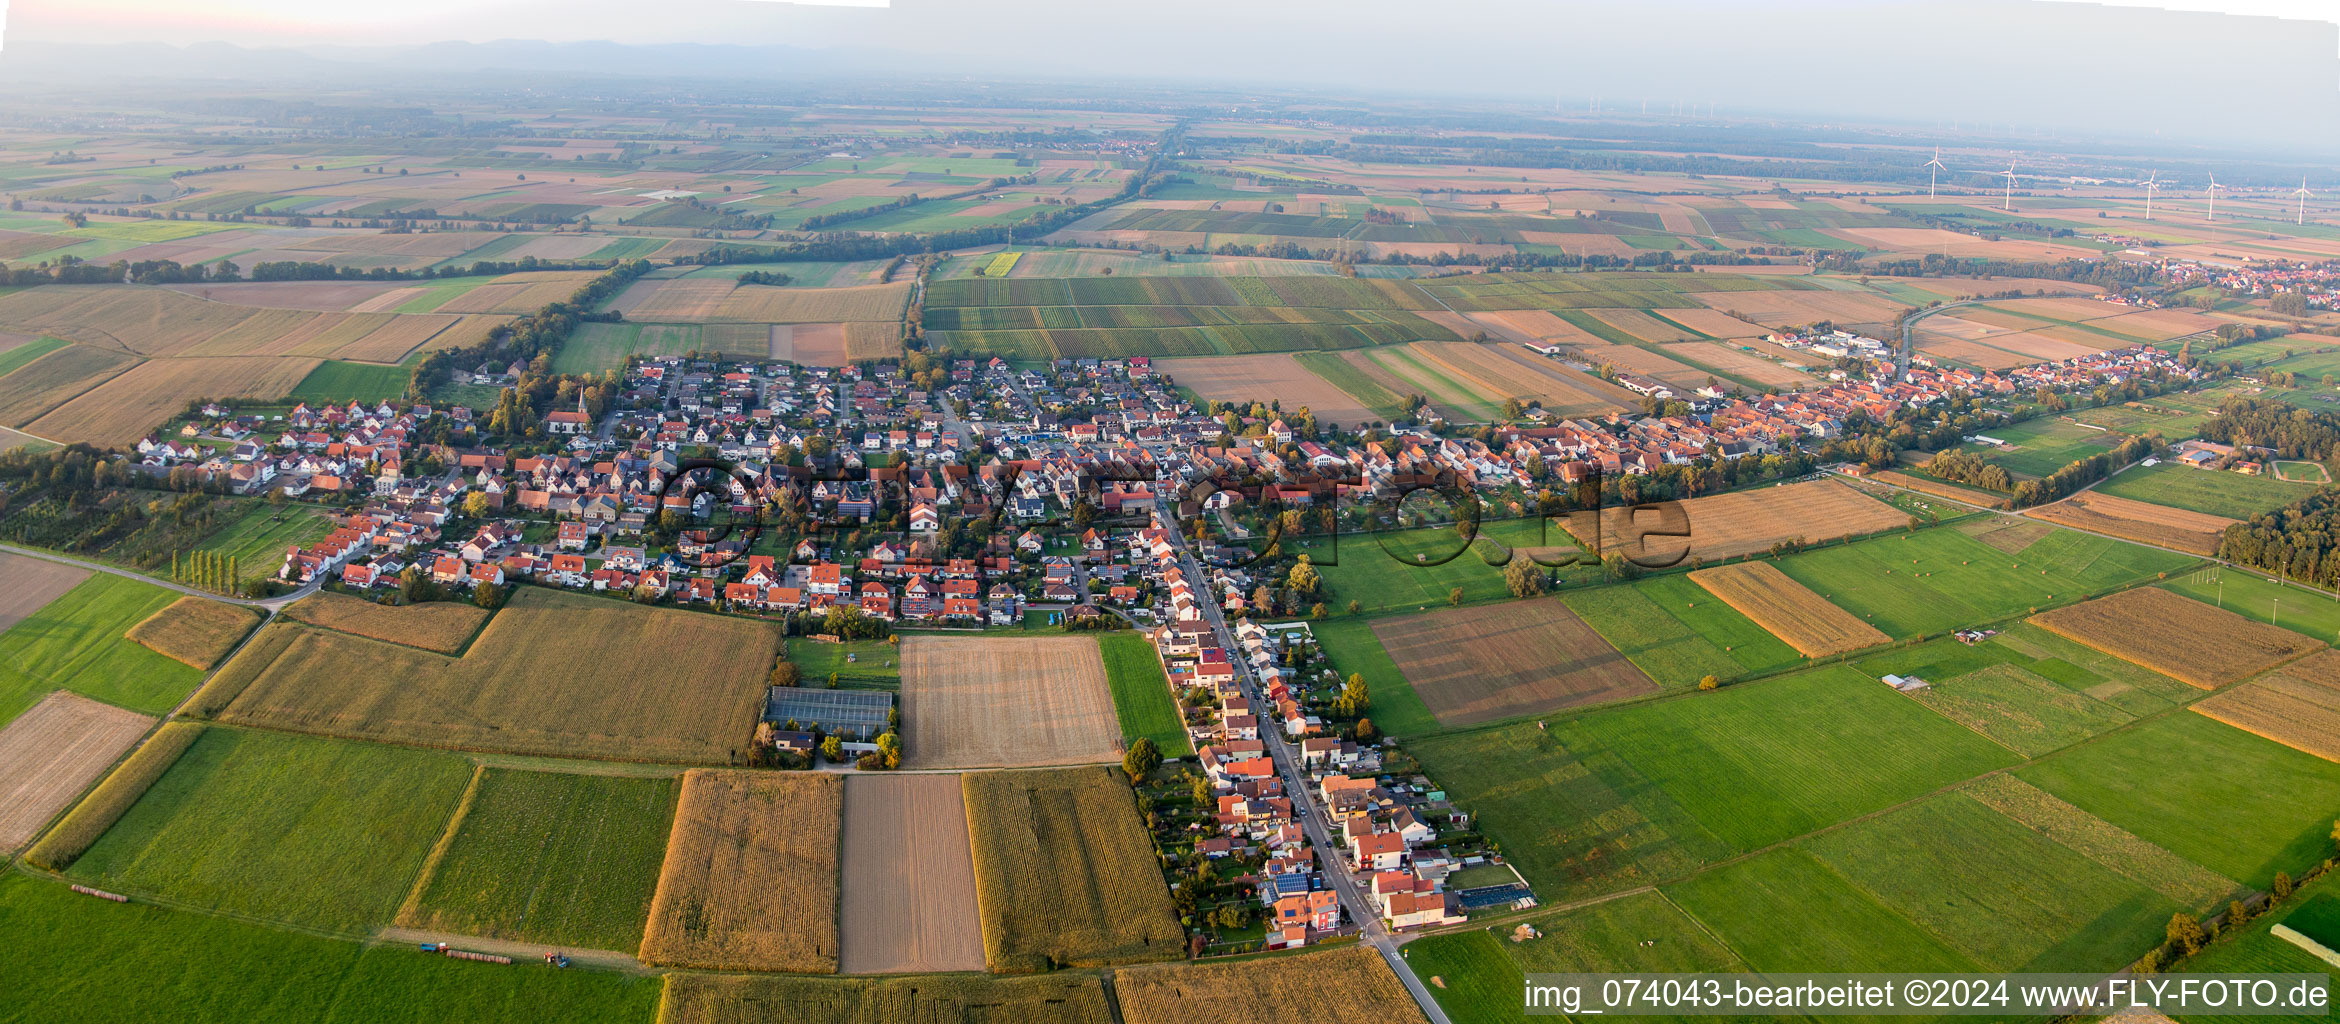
[
  {"x": 53, "y": 752},
  {"x": 1006, "y": 702},
  {"x": 909, "y": 900}
]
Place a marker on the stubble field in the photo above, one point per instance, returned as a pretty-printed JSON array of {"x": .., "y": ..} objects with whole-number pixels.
[
  {"x": 1788, "y": 609},
  {"x": 1472, "y": 665},
  {"x": 33, "y": 583},
  {"x": 1351, "y": 985},
  {"x": 2176, "y": 636},
  {"x": 53, "y": 752},
  {"x": 442, "y": 626},
  {"x": 1009, "y": 701},
  {"x": 2160, "y": 525},
  {"x": 2297, "y": 705},
  {"x": 909, "y": 889},
  {"x": 1743, "y": 522}
]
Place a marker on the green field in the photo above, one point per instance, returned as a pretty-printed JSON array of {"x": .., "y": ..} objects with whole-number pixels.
[
  {"x": 1641, "y": 933},
  {"x": 76, "y": 643},
  {"x": 2031, "y": 703},
  {"x": 337, "y": 381},
  {"x": 598, "y": 347},
  {"x": 2043, "y": 445},
  {"x": 568, "y": 860},
  {"x": 77, "y": 959},
  {"x": 314, "y": 833},
  {"x": 1353, "y": 382},
  {"x": 2218, "y": 493},
  {"x": 258, "y": 536},
  {"x": 1353, "y": 650},
  {"x": 1141, "y": 693},
  {"x": 1380, "y": 572},
  {"x": 858, "y": 664},
  {"x": 29, "y": 351},
  {"x": 1937, "y": 580},
  {"x": 2308, "y": 612},
  {"x": 1786, "y": 911},
  {"x": 2003, "y": 895},
  {"x": 2216, "y": 795},
  {"x": 2256, "y": 950},
  {"x": 1675, "y": 631}
]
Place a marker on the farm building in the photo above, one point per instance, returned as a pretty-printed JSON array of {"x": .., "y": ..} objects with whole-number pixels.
[{"x": 855, "y": 716}]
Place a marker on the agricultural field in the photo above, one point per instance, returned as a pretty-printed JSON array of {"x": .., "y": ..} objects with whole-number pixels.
[
  {"x": 857, "y": 664},
  {"x": 49, "y": 754},
  {"x": 1062, "y": 998},
  {"x": 1065, "y": 872},
  {"x": 1936, "y": 580},
  {"x": 2176, "y": 636},
  {"x": 750, "y": 879},
  {"x": 2175, "y": 877},
  {"x": 1479, "y": 972},
  {"x": 1141, "y": 693},
  {"x": 442, "y": 626},
  {"x": 1677, "y": 632},
  {"x": 2297, "y": 705},
  {"x": 33, "y": 583},
  {"x": 77, "y": 642},
  {"x": 1474, "y": 665},
  {"x": 2205, "y": 791},
  {"x": 1786, "y": 911},
  {"x": 2144, "y": 522},
  {"x": 2226, "y": 495},
  {"x": 560, "y": 859},
  {"x": 195, "y": 630},
  {"x": 2040, "y": 446},
  {"x": 1419, "y": 569},
  {"x": 2310, "y": 613},
  {"x": 2028, "y": 689},
  {"x": 1348, "y": 985},
  {"x": 1786, "y": 609},
  {"x": 553, "y": 673},
  {"x": 908, "y": 895},
  {"x": 1743, "y": 522},
  {"x": 260, "y": 534},
  {"x": 81, "y": 959},
  {"x": 1245, "y": 379},
  {"x": 265, "y": 825},
  {"x": 1007, "y": 701},
  {"x": 88, "y": 821},
  {"x": 1353, "y": 649}
]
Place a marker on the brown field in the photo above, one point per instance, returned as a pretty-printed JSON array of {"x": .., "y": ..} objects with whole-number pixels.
[
  {"x": 52, "y": 752},
  {"x": 1063, "y": 998},
  {"x": 1921, "y": 241},
  {"x": 195, "y": 630},
  {"x": 1516, "y": 372},
  {"x": 768, "y": 305},
  {"x": 987, "y": 702},
  {"x": 2177, "y": 637},
  {"x": 1472, "y": 665},
  {"x": 2196, "y": 532},
  {"x": 1785, "y": 308},
  {"x": 1245, "y": 379},
  {"x": 1065, "y": 872},
  {"x": 16, "y": 245},
  {"x": 1720, "y": 325},
  {"x": 1971, "y": 353},
  {"x": 672, "y": 299},
  {"x": 1728, "y": 358},
  {"x": 125, "y": 318},
  {"x": 909, "y": 889},
  {"x": 320, "y": 296},
  {"x": 2073, "y": 308},
  {"x": 1742, "y": 522},
  {"x": 106, "y": 804},
  {"x": 554, "y": 673},
  {"x": 386, "y": 301},
  {"x": 2160, "y": 324},
  {"x": 2010, "y": 534},
  {"x": 56, "y": 378},
  {"x": 873, "y": 339},
  {"x": 1788, "y": 610},
  {"x": 2297, "y": 705},
  {"x": 809, "y": 344},
  {"x": 1530, "y": 325},
  {"x": 126, "y": 408},
  {"x": 1349, "y": 985},
  {"x": 32, "y": 584},
  {"x": 1643, "y": 325},
  {"x": 442, "y": 626},
  {"x": 750, "y": 879},
  {"x": 1638, "y": 360}
]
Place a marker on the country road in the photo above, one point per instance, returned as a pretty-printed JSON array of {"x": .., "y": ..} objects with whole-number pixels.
[{"x": 269, "y": 603}]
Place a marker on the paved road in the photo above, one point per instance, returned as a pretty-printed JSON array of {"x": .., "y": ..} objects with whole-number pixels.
[
  {"x": 1909, "y": 341},
  {"x": 1287, "y": 761},
  {"x": 271, "y": 603}
]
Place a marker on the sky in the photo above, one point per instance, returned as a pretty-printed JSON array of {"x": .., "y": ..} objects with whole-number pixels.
[{"x": 2169, "y": 69}]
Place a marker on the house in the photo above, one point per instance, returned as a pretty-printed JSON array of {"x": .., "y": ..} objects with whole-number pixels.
[
  {"x": 1378, "y": 851},
  {"x": 572, "y": 536},
  {"x": 567, "y": 423},
  {"x": 446, "y": 570},
  {"x": 876, "y": 601}
]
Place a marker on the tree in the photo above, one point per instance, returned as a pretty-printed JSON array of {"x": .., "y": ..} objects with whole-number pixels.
[
  {"x": 1316, "y": 611},
  {"x": 1454, "y": 597},
  {"x": 1524, "y": 578},
  {"x": 1708, "y": 682},
  {"x": 1141, "y": 759},
  {"x": 786, "y": 674},
  {"x": 890, "y": 749},
  {"x": 833, "y": 750},
  {"x": 475, "y": 505},
  {"x": 832, "y": 680},
  {"x": 1366, "y": 731},
  {"x": 2185, "y": 934},
  {"x": 2282, "y": 888},
  {"x": 1355, "y": 607},
  {"x": 487, "y": 595},
  {"x": 1303, "y": 578}
]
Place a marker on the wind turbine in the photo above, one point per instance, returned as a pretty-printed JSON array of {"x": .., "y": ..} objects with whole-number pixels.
[
  {"x": 2009, "y": 202},
  {"x": 2214, "y": 187},
  {"x": 1934, "y": 167},
  {"x": 2152, "y": 185},
  {"x": 2303, "y": 195}
]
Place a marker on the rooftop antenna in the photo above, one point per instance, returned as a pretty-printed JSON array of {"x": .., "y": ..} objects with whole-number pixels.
[
  {"x": 2152, "y": 185},
  {"x": 2008, "y": 204},
  {"x": 1933, "y": 167},
  {"x": 2303, "y": 195},
  {"x": 2214, "y": 187}
]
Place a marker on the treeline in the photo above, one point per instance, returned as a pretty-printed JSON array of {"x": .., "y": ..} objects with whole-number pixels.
[
  {"x": 2297, "y": 541},
  {"x": 2109, "y": 273},
  {"x": 820, "y": 221},
  {"x": 2266, "y": 423},
  {"x": 71, "y": 270},
  {"x": 769, "y": 277},
  {"x": 68, "y": 270},
  {"x": 537, "y": 334},
  {"x": 1964, "y": 467},
  {"x": 2082, "y": 472}
]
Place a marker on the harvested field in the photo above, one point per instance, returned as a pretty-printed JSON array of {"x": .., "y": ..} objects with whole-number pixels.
[
  {"x": 2177, "y": 637},
  {"x": 1246, "y": 379},
  {"x": 1788, "y": 610},
  {"x": 673, "y": 299},
  {"x": 49, "y": 754},
  {"x": 554, "y": 673},
  {"x": 769, "y": 305},
  {"x": 33, "y": 583},
  {"x": 1472, "y": 665},
  {"x": 1939, "y": 489},
  {"x": 55, "y": 378},
  {"x": 319, "y": 296},
  {"x": 1531, "y": 325},
  {"x": 1729, "y": 358},
  {"x": 750, "y": 880},
  {"x": 2297, "y": 705},
  {"x": 196, "y": 630},
  {"x": 1563, "y": 391},
  {"x": 1065, "y": 872},
  {"x": 1781, "y": 308},
  {"x": 2006, "y": 533},
  {"x": 1064, "y": 998},
  {"x": 2101, "y": 841},
  {"x": 909, "y": 889},
  {"x": 1715, "y": 323},
  {"x": 1644, "y": 326},
  {"x": 442, "y": 626},
  {"x": 809, "y": 344},
  {"x": 1350, "y": 985},
  {"x": 1741, "y": 522},
  {"x": 2161, "y": 525},
  {"x": 92, "y": 817},
  {"x": 1005, "y": 702},
  {"x": 126, "y": 408},
  {"x": 873, "y": 339}
]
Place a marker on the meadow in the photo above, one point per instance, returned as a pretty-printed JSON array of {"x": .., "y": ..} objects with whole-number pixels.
[
  {"x": 560, "y": 859},
  {"x": 2025, "y": 696},
  {"x": 1482, "y": 970},
  {"x": 1381, "y": 573},
  {"x": 2043, "y": 445},
  {"x": 1786, "y": 911},
  {"x": 309, "y": 832},
  {"x": 1678, "y": 633},
  {"x": 2227, "y": 494},
  {"x": 2255, "y": 597},
  {"x": 77, "y": 642},
  {"x": 1352, "y": 648},
  {"x": 337, "y": 381},
  {"x": 1141, "y": 693},
  {"x": 1937, "y": 580},
  {"x": 1065, "y": 872},
  {"x": 80, "y": 959},
  {"x": 259, "y": 534},
  {"x": 2208, "y": 792},
  {"x": 857, "y": 664}
]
